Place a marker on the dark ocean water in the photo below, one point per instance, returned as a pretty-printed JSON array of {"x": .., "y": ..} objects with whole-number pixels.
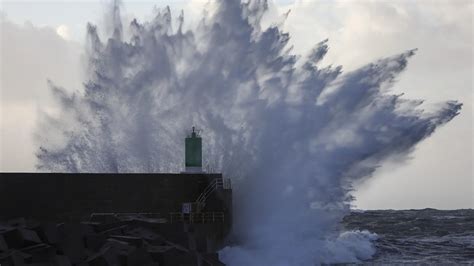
[{"x": 425, "y": 236}]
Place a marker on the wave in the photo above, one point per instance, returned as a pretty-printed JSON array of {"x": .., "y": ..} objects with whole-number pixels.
[{"x": 292, "y": 134}]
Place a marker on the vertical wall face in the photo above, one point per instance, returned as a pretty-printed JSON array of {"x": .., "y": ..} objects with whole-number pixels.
[
  {"x": 193, "y": 151},
  {"x": 67, "y": 197}
]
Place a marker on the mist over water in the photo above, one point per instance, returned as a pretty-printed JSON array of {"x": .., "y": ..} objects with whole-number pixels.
[{"x": 293, "y": 135}]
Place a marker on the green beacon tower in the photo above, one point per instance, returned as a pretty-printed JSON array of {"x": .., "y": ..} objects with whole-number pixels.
[{"x": 193, "y": 153}]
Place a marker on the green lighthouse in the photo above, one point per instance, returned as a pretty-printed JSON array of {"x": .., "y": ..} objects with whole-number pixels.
[{"x": 193, "y": 153}]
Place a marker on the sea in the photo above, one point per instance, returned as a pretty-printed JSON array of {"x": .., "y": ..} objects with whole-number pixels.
[{"x": 420, "y": 237}]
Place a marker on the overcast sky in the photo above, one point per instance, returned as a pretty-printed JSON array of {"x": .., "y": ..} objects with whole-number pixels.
[{"x": 43, "y": 40}]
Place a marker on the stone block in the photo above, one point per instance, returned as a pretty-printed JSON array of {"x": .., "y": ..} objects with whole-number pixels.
[
  {"x": 106, "y": 227},
  {"x": 15, "y": 258},
  {"x": 131, "y": 240},
  {"x": 105, "y": 257},
  {"x": 139, "y": 256},
  {"x": 40, "y": 252},
  {"x": 94, "y": 242},
  {"x": 71, "y": 241},
  {"x": 17, "y": 222},
  {"x": 20, "y": 237},
  {"x": 3, "y": 244},
  {"x": 145, "y": 234},
  {"x": 61, "y": 260},
  {"x": 47, "y": 232}
]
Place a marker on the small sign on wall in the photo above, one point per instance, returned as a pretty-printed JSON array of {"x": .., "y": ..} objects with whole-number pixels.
[{"x": 187, "y": 208}]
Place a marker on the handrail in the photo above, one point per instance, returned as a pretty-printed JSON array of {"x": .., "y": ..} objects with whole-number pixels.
[
  {"x": 197, "y": 217},
  {"x": 215, "y": 184},
  {"x": 125, "y": 214}
]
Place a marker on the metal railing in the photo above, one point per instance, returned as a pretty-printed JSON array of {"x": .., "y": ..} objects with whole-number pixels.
[
  {"x": 197, "y": 217},
  {"x": 126, "y": 214},
  {"x": 217, "y": 183}
]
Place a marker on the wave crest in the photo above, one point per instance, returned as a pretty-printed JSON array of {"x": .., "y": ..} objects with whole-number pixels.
[{"x": 293, "y": 135}]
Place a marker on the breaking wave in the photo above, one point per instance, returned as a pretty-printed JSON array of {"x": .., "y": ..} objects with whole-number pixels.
[{"x": 292, "y": 134}]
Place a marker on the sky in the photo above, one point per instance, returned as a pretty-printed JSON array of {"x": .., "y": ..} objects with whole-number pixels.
[{"x": 43, "y": 40}]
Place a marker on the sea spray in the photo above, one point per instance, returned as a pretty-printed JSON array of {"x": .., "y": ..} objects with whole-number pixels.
[{"x": 293, "y": 135}]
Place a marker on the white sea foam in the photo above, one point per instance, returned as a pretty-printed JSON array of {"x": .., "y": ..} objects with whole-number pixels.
[{"x": 292, "y": 136}]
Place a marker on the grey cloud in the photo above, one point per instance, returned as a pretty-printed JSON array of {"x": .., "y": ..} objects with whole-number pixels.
[{"x": 29, "y": 57}]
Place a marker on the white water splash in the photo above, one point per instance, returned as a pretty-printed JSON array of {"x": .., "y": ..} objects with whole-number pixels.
[{"x": 293, "y": 135}]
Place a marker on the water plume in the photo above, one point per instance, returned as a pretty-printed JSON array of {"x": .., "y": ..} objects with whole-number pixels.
[{"x": 292, "y": 134}]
